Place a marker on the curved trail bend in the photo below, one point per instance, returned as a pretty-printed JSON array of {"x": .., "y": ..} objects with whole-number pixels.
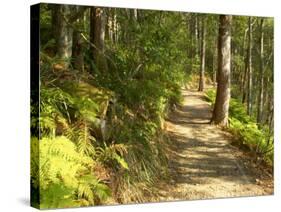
[{"x": 203, "y": 163}]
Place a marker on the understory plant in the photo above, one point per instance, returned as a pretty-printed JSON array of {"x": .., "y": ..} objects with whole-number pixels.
[{"x": 258, "y": 140}]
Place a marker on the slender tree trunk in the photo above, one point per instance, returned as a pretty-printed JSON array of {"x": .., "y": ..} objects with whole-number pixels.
[
  {"x": 270, "y": 110},
  {"x": 77, "y": 51},
  {"x": 191, "y": 46},
  {"x": 97, "y": 34},
  {"x": 63, "y": 33},
  {"x": 115, "y": 27},
  {"x": 261, "y": 84},
  {"x": 135, "y": 11},
  {"x": 55, "y": 14},
  {"x": 266, "y": 97},
  {"x": 110, "y": 24},
  {"x": 214, "y": 65},
  {"x": 220, "y": 113},
  {"x": 202, "y": 56},
  {"x": 244, "y": 82},
  {"x": 197, "y": 35},
  {"x": 244, "y": 77},
  {"x": 250, "y": 75}
]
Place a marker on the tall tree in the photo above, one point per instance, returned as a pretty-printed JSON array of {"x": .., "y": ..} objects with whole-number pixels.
[
  {"x": 261, "y": 80},
  {"x": 245, "y": 56},
  {"x": 250, "y": 74},
  {"x": 63, "y": 30},
  {"x": 97, "y": 35},
  {"x": 214, "y": 70},
  {"x": 63, "y": 33},
  {"x": 220, "y": 113},
  {"x": 77, "y": 42},
  {"x": 77, "y": 51},
  {"x": 197, "y": 35},
  {"x": 202, "y": 56},
  {"x": 190, "y": 21}
]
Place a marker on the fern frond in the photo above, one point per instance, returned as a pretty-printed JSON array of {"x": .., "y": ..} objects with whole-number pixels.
[
  {"x": 111, "y": 153},
  {"x": 85, "y": 141},
  {"x": 85, "y": 191},
  {"x": 102, "y": 191}
]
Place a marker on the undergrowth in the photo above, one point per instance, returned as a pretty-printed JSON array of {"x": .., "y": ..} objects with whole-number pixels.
[
  {"x": 112, "y": 116},
  {"x": 244, "y": 127},
  {"x": 100, "y": 141}
]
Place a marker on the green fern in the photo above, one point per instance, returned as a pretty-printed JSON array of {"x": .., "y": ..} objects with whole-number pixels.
[
  {"x": 81, "y": 136},
  {"x": 114, "y": 152},
  {"x": 65, "y": 176}
]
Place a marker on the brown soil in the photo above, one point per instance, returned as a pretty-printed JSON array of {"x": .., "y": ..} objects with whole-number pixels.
[{"x": 203, "y": 163}]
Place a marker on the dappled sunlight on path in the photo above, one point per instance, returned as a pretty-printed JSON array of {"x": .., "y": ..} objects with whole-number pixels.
[{"x": 203, "y": 163}]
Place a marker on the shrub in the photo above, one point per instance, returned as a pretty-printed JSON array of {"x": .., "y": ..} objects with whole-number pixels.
[{"x": 246, "y": 129}]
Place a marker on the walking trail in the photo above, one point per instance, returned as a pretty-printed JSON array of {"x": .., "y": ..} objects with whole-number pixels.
[{"x": 203, "y": 163}]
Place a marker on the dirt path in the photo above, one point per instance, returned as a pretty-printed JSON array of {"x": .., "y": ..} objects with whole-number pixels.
[{"x": 203, "y": 163}]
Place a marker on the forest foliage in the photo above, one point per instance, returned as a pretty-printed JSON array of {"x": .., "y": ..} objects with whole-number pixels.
[
  {"x": 108, "y": 79},
  {"x": 100, "y": 129}
]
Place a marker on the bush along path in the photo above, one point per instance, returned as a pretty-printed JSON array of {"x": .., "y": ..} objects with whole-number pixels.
[{"x": 203, "y": 163}]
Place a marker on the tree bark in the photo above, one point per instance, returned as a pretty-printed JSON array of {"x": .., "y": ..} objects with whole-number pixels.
[
  {"x": 244, "y": 75},
  {"x": 97, "y": 34},
  {"x": 63, "y": 34},
  {"x": 220, "y": 112},
  {"x": 202, "y": 56},
  {"x": 244, "y": 82},
  {"x": 63, "y": 18},
  {"x": 250, "y": 75},
  {"x": 55, "y": 13},
  {"x": 135, "y": 14},
  {"x": 110, "y": 24},
  {"x": 116, "y": 27},
  {"x": 197, "y": 35},
  {"x": 261, "y": 84},
  {"x": 214, "y": 65},
  {"x": 191, "y": 46},
  {"x": 77, "y": 51}
]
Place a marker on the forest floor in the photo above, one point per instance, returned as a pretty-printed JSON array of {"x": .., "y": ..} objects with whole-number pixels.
[{"x": 203, "y": 162}]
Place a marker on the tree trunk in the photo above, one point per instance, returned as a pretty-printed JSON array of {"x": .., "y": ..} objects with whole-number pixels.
[
  {"x": 220, "y": 113},
  {"x": 261, "y": 84},
  {"x": 135, "y": 11},
  {"x": 250, "y": 75},
  {"x": 63, "y": 34},
  {"x": 202, "y": 56},
  {"x": 77, "y": 51},
  {"x": 270, "y": 109},
  {"x": 214, "y": 65},
  {"x": 110, "y": 24},
  {"x": 55, "y": 13},
  {"x": 97, "y": 33},
  {"x": 244, "y": 82},
  {"x": 197, "y": 36},
  {"x": 191, "y": 46},
  {"x": 244, "y": 68},
  {"x": 115, "y": 27}
]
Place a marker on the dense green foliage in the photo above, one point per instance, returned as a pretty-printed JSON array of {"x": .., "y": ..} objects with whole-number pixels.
[
  {"x": 101, "y": 130},
  {"x": 65, "y": 177},
  {"x": 259, "y": 140},
  {"x": 108, "y": 79},
  {"x": 67, "y": 150}
]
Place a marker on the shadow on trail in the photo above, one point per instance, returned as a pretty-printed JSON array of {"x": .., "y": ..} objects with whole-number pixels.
[
  {"x": 200, "y": 152},
  {"x": 211, "y": 160},
  {"x": 202, "y": 162}
]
